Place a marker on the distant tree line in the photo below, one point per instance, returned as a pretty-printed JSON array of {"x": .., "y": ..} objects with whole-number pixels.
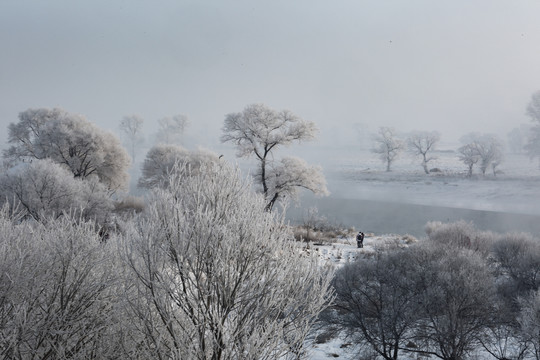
[{"x": 483, "y": 150}]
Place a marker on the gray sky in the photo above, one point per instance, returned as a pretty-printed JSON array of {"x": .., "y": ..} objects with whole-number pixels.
[{"x": 454, "y": 66}]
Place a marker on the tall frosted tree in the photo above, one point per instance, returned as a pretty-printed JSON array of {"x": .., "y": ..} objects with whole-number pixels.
[
  {"x": 217, "y": 277},
  {"x": 72, "y": 141},
  {"x": 259, "y": 131}
]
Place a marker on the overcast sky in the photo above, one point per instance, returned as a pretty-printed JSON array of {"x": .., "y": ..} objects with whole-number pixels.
[{"x": 454, "y": 66}]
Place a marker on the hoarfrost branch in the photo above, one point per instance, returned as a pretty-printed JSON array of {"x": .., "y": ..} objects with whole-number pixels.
[{"x": 258, "y": 131}]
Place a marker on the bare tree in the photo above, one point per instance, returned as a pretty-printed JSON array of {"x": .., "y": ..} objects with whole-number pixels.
[
  {"x": 422, "y": 143},
  {"x": 172, "y": 128},
  {"x": 73, "y": 142},
  {"x": 161, "y": 159},
  {"x": 131, "y": 126},
  {"x": 218, "y": 277},
  {"x": 258, "y": 131},
  {"x": 387, "y": 146}
]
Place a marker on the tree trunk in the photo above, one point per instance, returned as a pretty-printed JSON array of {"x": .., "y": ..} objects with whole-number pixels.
[{"x": 263, "y": 177}]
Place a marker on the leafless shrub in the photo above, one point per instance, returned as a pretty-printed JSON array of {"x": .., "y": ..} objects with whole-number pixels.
[{"x": 460, "y": 234}]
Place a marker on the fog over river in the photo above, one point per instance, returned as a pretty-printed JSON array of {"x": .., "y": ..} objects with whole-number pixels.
[{"x": 383, "y": 217}]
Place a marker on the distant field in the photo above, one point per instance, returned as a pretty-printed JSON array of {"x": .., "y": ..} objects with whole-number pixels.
[
  {"x": 364, "y": 195},
  {"x": 515, "y": 190}
]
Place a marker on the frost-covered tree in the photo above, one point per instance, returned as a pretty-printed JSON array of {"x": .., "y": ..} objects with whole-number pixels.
[
  {"x": 376, "y": 302},
  {"x": 456, "y": 290},
  {"x": 286, "y": 176},
  {"x": 485, "y": 149},
  {"x": 44, "y": 190},
  {"x": 72, "y": 141},
  {"x": 258, "y": 131},
  {"x": 387, "y": 146},
  {"x": 468, "y": 154},
  {"x": 431, "y": 299},
  {"x": 161, "y": 159},
  {"x": 216, "y": 276},
  {"x": 131, "y": 126},
  {"x": 57, "y": 292},
  {"x": 171, "y": 129},
  {"x": 517, "y": 257},
  {"x": 421, "y": 143},
  {"x": 490, "y": 149},
  {"x": 533, "y": 111},
  {"x": 460, "y": 234}
]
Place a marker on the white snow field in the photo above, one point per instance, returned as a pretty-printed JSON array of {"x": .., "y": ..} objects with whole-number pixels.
[{"x": 515, "y": 189}]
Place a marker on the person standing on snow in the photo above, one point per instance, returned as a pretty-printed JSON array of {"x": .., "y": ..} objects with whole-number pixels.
[{"x": 360, "y": 239}]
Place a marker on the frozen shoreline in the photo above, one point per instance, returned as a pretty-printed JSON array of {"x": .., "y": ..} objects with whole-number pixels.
[{"x": 383, "y": 217}]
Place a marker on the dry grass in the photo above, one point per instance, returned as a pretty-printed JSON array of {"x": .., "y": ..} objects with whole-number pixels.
[{"x": 321, "y": 235}]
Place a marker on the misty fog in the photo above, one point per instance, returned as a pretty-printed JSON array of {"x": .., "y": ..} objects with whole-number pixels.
[{"x": 350, "y": 67}]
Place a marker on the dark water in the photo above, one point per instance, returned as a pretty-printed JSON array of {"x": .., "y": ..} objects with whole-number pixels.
[{"x": 381, "y": 217}]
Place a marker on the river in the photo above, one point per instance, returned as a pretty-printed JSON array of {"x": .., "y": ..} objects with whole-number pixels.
[{"x": 382, "y": 217}]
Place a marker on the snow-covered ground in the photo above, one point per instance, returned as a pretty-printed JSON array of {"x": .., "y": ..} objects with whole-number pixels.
[{"x": 337, "y": 254}]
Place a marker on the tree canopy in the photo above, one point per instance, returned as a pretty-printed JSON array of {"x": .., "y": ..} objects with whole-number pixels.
[
  {"x": 161, "y": 160},
  {"x": 72, "y": 141},
  {"x": 258, "y": 131}
]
